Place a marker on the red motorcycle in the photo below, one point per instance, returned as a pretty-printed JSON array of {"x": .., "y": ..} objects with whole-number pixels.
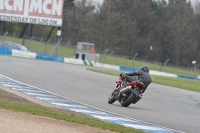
[{"x": 127, "y": 93}]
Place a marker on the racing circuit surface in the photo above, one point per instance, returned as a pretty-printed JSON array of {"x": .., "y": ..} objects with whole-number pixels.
[{"x": 161, "y": 105}]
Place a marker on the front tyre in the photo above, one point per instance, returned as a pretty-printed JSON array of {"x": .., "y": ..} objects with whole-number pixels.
[
  {"x": 112, "y": 98},
  {"x": 125, "y": 102}
]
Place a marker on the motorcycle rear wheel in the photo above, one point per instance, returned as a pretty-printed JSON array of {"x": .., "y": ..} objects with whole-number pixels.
[{"x": 127, "y": 101}]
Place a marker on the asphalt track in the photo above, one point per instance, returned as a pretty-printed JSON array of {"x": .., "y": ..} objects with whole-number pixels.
[{"x": 161, "y": 105}]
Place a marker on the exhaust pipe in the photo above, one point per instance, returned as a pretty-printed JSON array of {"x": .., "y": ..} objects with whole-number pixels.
[{"x": 125, "y": 89}]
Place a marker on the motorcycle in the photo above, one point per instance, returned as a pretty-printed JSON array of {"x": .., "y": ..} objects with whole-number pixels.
[{"x": 127, "y": 93}]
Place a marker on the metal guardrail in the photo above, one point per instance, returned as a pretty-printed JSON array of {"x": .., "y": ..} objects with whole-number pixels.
[{"x": 18, "y": 53}]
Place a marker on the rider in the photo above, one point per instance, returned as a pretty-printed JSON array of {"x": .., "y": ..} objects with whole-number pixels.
[{"x": 143, "y": 76}]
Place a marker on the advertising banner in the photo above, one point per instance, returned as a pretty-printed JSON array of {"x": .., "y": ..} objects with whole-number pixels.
[{"x": 43, "y": 12}]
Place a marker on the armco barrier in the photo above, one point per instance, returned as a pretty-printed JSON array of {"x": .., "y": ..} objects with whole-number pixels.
[
  {"x": 24, "y": 54},
  {"x": 152, "y": 72},
  {"x": 47, "y": 57},
  {"x": 122, "y": 68},
  {"x": 6, "y": 51},
  {"x": 73, "y": 61},
  {"x": 18, "y": 53},
  {"x": 88, "y": 63},
  {"x": 187, "y": 77},
  {"x": 107, "y": 66}
]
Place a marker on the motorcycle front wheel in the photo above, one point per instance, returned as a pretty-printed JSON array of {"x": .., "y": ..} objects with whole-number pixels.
[{"x": 112, "y": 98}]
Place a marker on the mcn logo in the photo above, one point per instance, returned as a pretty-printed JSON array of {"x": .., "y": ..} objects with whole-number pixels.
[
  {"x": 40, "y": 8},
  {"x": 12, "y": 6},
  {"x": 46, "y": 8}
]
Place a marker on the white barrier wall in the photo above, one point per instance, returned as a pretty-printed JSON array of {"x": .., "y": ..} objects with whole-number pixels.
[
  {"x": 73, "y": 61},
  {"x": 106, "y": 66},
  {"x": 152, "y": 72},
  {"x": 18, "y": 53},
  {"x": 23, "y": 54}
]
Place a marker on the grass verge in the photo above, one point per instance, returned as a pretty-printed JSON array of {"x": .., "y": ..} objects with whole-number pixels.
[
  {"x": 43, "y": 111},
  {"x": 192, "y": 85}
]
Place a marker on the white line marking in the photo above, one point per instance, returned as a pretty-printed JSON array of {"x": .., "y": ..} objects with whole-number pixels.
[
  {"x": 86, "y": 111},
  {"x": 37, "y": 94},
  {"x": 14, "y": 86},
  {"x": 29, "y": 91},
  {"x": 52, "y": 99},
  {"x": 144, "y": 127},
  {"x": 70, "y": 105},
  {"x": 112, "y": 118}
]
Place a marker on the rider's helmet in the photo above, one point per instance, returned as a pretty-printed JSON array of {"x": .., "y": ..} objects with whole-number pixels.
[{"x": 145, "y": 68}]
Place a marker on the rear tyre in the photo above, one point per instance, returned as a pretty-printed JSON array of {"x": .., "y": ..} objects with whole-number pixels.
[
  {"x": 125, "y": 102},
  {"x": 112, "y": 98}
]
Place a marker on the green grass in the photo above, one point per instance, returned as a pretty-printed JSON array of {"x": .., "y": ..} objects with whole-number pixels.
[
  {"x": 192, "y": 85},
  {"x": 42, "y": 111},
  {"x": 38, "y": 47}
]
